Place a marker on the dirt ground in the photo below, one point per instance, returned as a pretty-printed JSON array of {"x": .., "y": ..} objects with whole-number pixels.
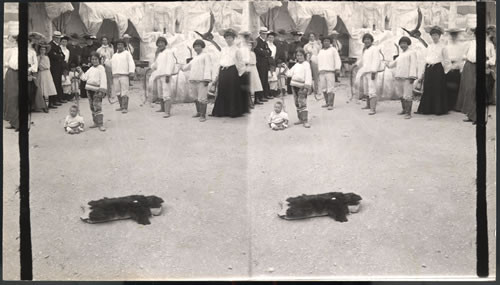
[{"x": 222, "y": 181}]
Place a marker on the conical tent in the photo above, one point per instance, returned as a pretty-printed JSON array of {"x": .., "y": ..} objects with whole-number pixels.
[
  {"x": 135, "y": 41},
  {"x": 70, "y": 22},
  {"x": 317, "y": 25},
  {"x": 278, "y": 18},
  {"x": 343, "y": 37},
  {"x": 108, "y": 28}
]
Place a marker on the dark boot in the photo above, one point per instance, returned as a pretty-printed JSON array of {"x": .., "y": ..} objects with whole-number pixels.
[
  {"x": 403, "y": 105},
  {"x": 325, "y": 95},
  {"x": 373, "y": 106},
  {"x": 120, "y": 102},
  {"x": 94, "y": 119},
  {"x": 331, "y": 98},
  {"x": 408, "y": 109},
  {"x": 304, "y": 119},
  {"x": 197, "y": 104},
  {"x": 168, "y": 105},
  {"x": 125, "y": 104},
  {"x": 299, "y": 122},
  {"x": 162, "y": 106},
  {"x": 203, "y": 112},
  {"x": 367, "y": 107}
]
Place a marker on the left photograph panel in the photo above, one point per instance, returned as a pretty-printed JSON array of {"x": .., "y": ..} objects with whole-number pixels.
[{"x": 138, "y": 163}]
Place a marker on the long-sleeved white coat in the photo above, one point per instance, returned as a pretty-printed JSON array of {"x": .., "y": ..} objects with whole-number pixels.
[
  {"x": 122, "y": 63},
  {"x": 405, "y": 65}
]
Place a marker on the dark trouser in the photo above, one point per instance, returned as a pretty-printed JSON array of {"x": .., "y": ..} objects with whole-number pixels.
[
  {"x": 95, "y": 102},
  {"x": 264, "y": 79},
  {"x": 56, "y": 76}
]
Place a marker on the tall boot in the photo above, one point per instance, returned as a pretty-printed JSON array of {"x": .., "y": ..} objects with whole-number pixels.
[
  {"x": 162, "y": 106},
  {"x": 331, "y": 98},
  {"x": 125, "y": 104},
  {"x": 168, "y": 105},
  {"x": 96, "y": 124},
  {"x": 326, "y": 96},
  {"x": 304, "y": 119},
  {"x": 373, "y": 106},
  {"x": 203, "y": 112},
  {"x": 120, "y": 102},
  {"x": 403, "y": 105},
  {"x": 408, "y": 109},
  {"x": 299, "y": 122},
  {"x": 197, "y": 104},
  {"x": 100, "y": 122},
  {"x": 367, "y": 107}
]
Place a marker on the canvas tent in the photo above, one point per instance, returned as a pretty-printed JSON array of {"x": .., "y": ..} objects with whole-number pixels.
[
  {"x": 70, "y": 22},
  {"x": 278, "y": 18},
  {"x": 41, "y": 15}
]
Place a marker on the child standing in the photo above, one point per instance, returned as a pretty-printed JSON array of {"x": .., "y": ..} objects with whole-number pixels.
[
  {"x": 329, "y": 64},
  {"x": 405, "y": 74},
  {"x": 281, "y": 74},
  {"x": 200, "y": 76},
  {"x": 164, "y": 67},
  {"x": 73, "y": 124},
  {"x": 45, "y": 82},
  {"x": 95, "y": 87},
  {"x": 74, "y": 77},
  {"x": 278, "y": 119},
  {"x": 123, "y": 68},
  {"x": 66, "y": 83},
  {"x": 367, "y": 74},
  {"x": 301, "y": 82}
]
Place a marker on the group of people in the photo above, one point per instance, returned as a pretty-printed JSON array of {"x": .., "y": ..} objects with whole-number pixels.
[
  {"x": 249, "y": 73},
  {"x": 449, "y": 77},
  {"x": 61, "y": 71}
]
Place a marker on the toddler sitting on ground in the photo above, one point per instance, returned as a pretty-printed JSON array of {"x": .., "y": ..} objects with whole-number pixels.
[
  {"x": 278, "y": 120},
  {"x": 74, "y": 122}
]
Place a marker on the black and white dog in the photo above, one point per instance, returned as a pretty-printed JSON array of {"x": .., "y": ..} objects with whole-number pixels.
[
  {"x": 336, "y": 205},
  {"x": 136, "y": 207}
]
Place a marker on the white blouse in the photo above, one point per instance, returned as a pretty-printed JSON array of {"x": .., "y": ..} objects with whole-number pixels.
[
  {"x": 470, "y": 54},
  {"x": 406, "y": 65},
  {"x": 11, "y": 58},
  {"x": 32, "y": 60},
  {"x": 329, "y": 60},
  {"x": 272, "y": 47},
  {"x": 455, "y": 54},
  {"x": 65, "y": 50},
  {"x": 231, "y": 55},
  {"x": 491, "y": 53},
  {"x": 165, "y": 63},
  {"x": 200, "y": 68},
  {"x": 300, "y": 74}
]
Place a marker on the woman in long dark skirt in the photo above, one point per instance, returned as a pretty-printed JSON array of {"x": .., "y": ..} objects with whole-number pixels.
[
  {"x": 466, "y": 102},
  {"x": 11, "y": 89},
  {"x": 36, "y": 99},
  {"x": 230, "y": 101},
  {"x": 455, "y": 50},
  {"x": 434, "y": 97}
]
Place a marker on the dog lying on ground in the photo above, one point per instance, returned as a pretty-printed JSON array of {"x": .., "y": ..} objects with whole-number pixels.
[
  {"x": 136, "y": 207},
  {"x": 336, "y": 205}
]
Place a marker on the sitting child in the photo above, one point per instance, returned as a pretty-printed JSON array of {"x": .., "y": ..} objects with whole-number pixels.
[
  {"x": 278, "y": 120},
  {"x": 74, "y": 123}
]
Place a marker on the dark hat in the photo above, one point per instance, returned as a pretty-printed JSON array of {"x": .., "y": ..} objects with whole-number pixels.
[
  {"x": 35, "y": 35},
  {"x": 89, "y": 37},
  {"x": 65, "y": 38},
  {"x": 160, "y": 39},
  {"x": 74, "y": 36},
  {"x": 434, "y": 30},
  {"x": 199, "y": 42},
  {"x": 369, "y": 36},
  {"x": 281, "y": 32},
  {"x": 43, "y": 45},
  {"x": 120, "y": 41},
  {"x": 271, "y": 33},
  {"x": 491, "y": 28},
  {"x": 229, "y": 33},
  {"x": 296, "y": 33},
  {"x": 405, "y": 39}
]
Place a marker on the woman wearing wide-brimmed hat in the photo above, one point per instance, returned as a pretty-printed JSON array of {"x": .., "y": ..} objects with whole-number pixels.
[
  {"x": 455, "y": 50},
  {"x": 36, "y": 99},
  {"x": 45, "y": 82},
  {"x": 435, "y": 96},
  {"x": 230, "y": 101}
]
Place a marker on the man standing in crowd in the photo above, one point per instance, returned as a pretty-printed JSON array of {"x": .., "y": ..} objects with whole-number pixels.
[
  {"x": 292, "y": 47},
  {"x": 85, "y": 59},
  {"x": 75, "y": 51},
  {"x": 56, "y": 57},
  {"x": 128, "y": 46},
  {"x": 263, "y": 55}
]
